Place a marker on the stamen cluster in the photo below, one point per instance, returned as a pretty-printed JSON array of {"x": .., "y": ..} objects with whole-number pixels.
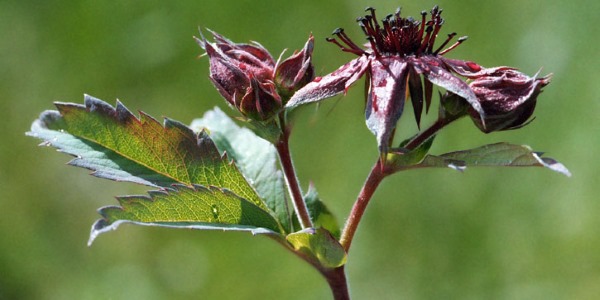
[{"x": 397, "y": 35}]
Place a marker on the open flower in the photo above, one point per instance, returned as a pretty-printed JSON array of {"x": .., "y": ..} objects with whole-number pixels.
[
  {"x": 250, "y": 80},
  {"x": 508, "y": 99},
  {"x": 399, "y": 59}
]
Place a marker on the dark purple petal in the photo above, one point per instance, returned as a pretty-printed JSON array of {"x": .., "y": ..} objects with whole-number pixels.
[
  {"x": 470, "y": 69},
  {"x": 331, "y": 84},
  {"x": 255, "y": 49},
  {"x": 226, "y": 76},
  {"x": 428, "y": 94},
  {"x": 296, "y": 71},
  {"x": 416, "y": 94},
  {"x": 261, "y": 101},
  {"x": 252, "y": 59},
  {"x": 387, "y": 93},
  {"x": 434, "y": 71}
]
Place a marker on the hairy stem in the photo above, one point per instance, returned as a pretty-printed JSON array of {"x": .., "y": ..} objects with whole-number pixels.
[
  {"x": 283, "y": 149},
  {"x": 375, "y": 177}
]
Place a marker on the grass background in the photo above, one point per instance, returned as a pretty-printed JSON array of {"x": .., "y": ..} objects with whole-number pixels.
[{"x": 430, "y": 234}]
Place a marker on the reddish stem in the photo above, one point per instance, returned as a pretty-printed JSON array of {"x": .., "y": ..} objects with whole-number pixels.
[
  {"x": 375, "y": 177},
  {"x": 283, "y": 149},
  {"x": 428, "y": 133},
  {"x": 377, "y": 174},
  {"x": 337, "y": 282}
]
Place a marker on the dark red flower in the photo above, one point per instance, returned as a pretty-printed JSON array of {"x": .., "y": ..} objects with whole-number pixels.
[
  {"x": 248, "y": 77},
  {"x": 400, "y": 51}
]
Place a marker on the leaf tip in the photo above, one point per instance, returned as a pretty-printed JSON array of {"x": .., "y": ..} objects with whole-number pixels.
[
  {"x": 552, "y": 164},
  {"x": 100, "y": 226},
  {"x": 457, "y": 167}
]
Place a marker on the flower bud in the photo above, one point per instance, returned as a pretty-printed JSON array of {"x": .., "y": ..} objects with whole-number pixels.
[
  {"x": 296, "y": 71},
  {"x": 243, "y": 75},
  {"x": 261, "y": 101},
  {"x": 507, "y": 97}
]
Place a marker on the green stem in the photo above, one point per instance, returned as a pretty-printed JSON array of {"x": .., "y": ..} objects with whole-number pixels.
[
  {"x": 283, "y": 149},
  {"x": 366, "y": 193}
]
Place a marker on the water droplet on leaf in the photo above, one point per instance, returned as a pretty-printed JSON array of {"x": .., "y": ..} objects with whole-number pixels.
[{"x": 215, "y": 211}]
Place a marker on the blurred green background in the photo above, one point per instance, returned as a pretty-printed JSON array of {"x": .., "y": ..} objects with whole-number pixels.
[{"x": 430, "y": 234}]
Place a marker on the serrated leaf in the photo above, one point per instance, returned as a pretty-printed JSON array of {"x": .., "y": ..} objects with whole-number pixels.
[
  {"x": 105, "y": 164},
  {"x": 321, "y": 215},
  {"x": 193, "y": 207},
  {"x": 319, "y": 246},
  {"x": 116, "y": 145},
  {"x": 499, "y": 155},
  {"x": 255, "y": 157}
]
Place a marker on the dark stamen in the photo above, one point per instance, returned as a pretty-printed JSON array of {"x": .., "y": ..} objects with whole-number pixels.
[
  {"x": 374, "y": 18},
  {"x": 396, "y": 39},
  {"x": 373, "y": 46},
  {"x": 361, "y": 24},
  {"x": 368, "y": 23},
  {"x": 352, "y": 48},
  {"x": 426, "y": 39},
  {"x": 344, "y": 38},
  {"x": 397, "y": 13},
  {"x": 438, "y": 25},
  {"x": 434, "y": 10},
  {"x": 450, "y": 37},
  {"x": 422, "y": 29},
  {"x": 394, "y": 35},
  {"x": 386, "y": 26},
  {"x": 458, "y": 42}
]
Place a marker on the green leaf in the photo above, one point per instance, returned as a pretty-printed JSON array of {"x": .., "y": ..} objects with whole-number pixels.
[
  {"x": 255, "y": 157},
  {"x": 399, "y": 158},
  {"x": 105, "y": 164},
  {"x": 499, "y": 155},
  {"x": 318, "y": 246},
  {"x": 199, "y": 188},
  {"x": 116, "y": 145},
  {"x": 320, "y": 214},
  {"x": 193, "y": 207},
  {"x": 505, "y": 154}
]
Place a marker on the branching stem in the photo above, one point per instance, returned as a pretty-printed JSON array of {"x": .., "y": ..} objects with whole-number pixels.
[{"x": 378, "y": 173}]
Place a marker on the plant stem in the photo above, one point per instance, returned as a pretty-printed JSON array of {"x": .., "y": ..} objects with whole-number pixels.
[
  {"x": 377, "y": 174},
  {"x": 283, "y": 149},
  {"x": 336, "y": 278},
  {"x": 425, "y": 135},
  {"x": 375, "y": 177}
]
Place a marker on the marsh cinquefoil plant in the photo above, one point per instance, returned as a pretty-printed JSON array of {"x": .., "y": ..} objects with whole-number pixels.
[{"x": 216, "y": 175}]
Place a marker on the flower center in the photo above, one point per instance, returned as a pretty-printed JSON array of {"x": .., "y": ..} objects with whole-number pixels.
[{"x": 398, "y": 36}]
